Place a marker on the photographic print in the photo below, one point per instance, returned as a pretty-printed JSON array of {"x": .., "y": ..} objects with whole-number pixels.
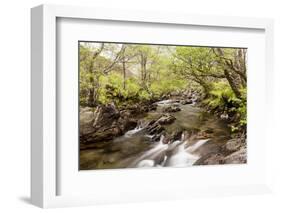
[{"x": 148, "y": 105}]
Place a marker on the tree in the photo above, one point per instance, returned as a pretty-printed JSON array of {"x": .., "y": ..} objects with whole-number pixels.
[
  {"x": 207, "y": 66},
  {"x": 126, "y": 58},
  {"x": 147, "y": 56},
  {"x": 233, "y": 62},
  {"x": 197, "y": 64},
  {"x": 96, "y": 61}
]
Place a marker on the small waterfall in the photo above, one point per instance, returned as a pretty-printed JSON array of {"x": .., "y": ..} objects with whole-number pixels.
[
  {"x": 160, "y": 147},
  {"x": 164, "y": 161},
  {"x": 184, "y": 156},
  {"x": 133, "y": 131},
  {"x": 138, "y": 128},
  {"x": 147, "y": 158},
  {"x": 195, "y": 146},
  {"x": 165, "y": 102},
  {"x": 182, "y": 136},
  {"x": 149, "y": 136},
  {"x": 180, "y": 156}
]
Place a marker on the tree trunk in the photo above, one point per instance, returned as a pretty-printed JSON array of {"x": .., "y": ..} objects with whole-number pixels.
[
  {"x": 240, "y": 64},
  {"x": 206, "y": 87},
  {"x": 124, "y": 74},
  {"x": 91, "y": 99},
  {"x": 143, "y": 70},
  {"x": 93, "y": 90},
  {"x": 233, "y": 83}
]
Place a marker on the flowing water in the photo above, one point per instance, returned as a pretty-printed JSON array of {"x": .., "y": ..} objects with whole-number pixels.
[{"x": 136, "y": 148}]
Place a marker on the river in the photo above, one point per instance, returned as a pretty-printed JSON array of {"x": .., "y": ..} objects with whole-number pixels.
[{"x": 136, "y": 148}]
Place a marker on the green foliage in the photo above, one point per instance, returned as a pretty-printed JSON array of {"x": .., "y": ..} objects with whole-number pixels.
[
  {"x": 167, "y": 86},
  {"x": 197, "y": 62},
  {"x": 222, "y": 98},
  {"x": 112, "y": 90},
  {"x": 221, "y": 95},
  {"x": 157, "y": 80},
  {"x": 242, "y": 109},
  {"x": 125, "y": 74}
]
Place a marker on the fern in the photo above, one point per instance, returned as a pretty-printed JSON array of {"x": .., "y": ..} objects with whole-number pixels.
[{"x": 222, "y": 98}]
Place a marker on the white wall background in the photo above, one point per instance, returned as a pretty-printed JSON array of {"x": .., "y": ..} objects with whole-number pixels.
[{"x": 15, "y": 104}]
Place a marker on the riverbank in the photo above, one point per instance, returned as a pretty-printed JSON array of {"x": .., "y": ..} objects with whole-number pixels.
[{"x": 156, "y": 134}]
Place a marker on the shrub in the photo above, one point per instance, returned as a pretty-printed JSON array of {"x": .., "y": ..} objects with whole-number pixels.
[{"x": 222, "y": 98}]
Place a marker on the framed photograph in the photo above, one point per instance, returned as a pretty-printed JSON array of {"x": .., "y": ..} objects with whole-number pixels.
[{"x": 130, "y": 106}]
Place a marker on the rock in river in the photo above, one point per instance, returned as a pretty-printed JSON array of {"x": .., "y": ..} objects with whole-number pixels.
[
  {"x": 155, "y": 127},
  {"x": 172, "y": 109},
  {"x": 210, "y": 159},
  {"x": 186, "y": 101},
  {"x": 232, "y": 145},
  {"x": 166, "y": 119},
  {"x": 103, "y": 124},
  {"x": 237, "y": 157}
]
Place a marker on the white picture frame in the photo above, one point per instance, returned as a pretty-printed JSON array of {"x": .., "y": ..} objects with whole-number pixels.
[{"x": 44, "y": 154}]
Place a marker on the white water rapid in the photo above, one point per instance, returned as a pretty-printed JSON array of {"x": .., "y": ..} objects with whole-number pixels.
[{"x": 175, "y": 154}]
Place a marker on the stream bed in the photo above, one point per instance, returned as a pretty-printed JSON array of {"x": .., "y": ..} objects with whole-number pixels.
[{"x": 200, "y": 134}]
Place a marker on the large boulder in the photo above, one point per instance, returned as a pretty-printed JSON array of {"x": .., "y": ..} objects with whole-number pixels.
[
  {"x": 237, "y": 157},
  {"x": 176, "y": 135},
  {"x": 156, "y": 127},
  {"x": 172, "y": 109},
  {"x": 127, "y": 123},
  {"x": 166, "y": 119},
  {"x": 86, "y": 115},
  {"x": 106, "y": 122},
  {"x": 186, "y": 101},
  {"x": 104, "y": 115},
  {"x": 100, "y": 124},
  {"x": 211, "y": 159},
  {"x": 232, "y": 145}
]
